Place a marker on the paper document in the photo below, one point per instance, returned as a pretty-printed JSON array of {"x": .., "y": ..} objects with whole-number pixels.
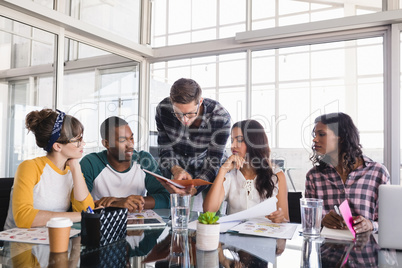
[
  {"x": 264, "y": 227},
  {"x": 179, "y": 183},
  {"x": 31, "y": 235},
  {"x": 262, "y": 209},
  {"x": 229, "y": 221}
]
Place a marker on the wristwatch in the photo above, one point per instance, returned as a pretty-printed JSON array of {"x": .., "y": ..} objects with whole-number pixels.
[{"x": 375, "y": 226}]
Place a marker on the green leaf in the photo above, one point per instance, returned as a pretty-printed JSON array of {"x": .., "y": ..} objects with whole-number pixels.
[{"x": 208, "y": 218}]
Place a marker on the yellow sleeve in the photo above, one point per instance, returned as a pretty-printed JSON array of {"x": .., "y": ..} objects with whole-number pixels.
[
  {"x": 22, "y": 255},
  {"x": 27, "y": 176},
  {"x": 82, "y": 205}
]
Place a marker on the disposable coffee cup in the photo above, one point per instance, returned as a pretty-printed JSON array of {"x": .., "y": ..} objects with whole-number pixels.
[{"x": 59, "y": 234}]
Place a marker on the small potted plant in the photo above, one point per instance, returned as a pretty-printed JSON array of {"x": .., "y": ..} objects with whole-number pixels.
[{"x": 208, "y": 231}]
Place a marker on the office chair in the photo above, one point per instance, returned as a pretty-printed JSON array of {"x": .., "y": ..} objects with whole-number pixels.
[
  {"x": 293, "y": 197},
  {"x": 5, "y": 189}
]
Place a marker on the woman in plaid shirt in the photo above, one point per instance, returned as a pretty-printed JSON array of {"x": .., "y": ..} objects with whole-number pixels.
[{"x": 341, "y": 171}]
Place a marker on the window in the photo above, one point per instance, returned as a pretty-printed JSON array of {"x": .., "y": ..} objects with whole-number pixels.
[
  {"x": 23, "y": 90},
  {"x": 100, "y": 90},
  {"x": 120, "y": 17},
  {"x": 187, "y": 21},
  {"x": 290, "y": 87}
]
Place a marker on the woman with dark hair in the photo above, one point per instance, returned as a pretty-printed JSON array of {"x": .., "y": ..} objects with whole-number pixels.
[
  {"x": 341, "y": 172},
  {"x": 246, "y": 178},
  {"x": 45, "y": 187}
]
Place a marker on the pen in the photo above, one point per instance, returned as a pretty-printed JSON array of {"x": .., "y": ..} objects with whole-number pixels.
[
  {"x": 89, "y": 210},
  {"x": 337, "y": 210}
]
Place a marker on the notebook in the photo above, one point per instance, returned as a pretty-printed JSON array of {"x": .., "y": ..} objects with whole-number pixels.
[
  {"x": 337, "y": 234},
  {"x": 390, "y": 216},
  {"x": 347, "y": 234}
]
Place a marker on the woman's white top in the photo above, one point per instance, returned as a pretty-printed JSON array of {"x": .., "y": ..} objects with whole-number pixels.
[{"x": 241, "y": 194}]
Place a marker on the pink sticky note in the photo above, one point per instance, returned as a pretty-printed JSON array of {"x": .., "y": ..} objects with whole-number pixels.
[{"x": 347, "y": 216}]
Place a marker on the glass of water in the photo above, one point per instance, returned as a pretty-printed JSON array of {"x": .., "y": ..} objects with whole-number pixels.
[
  {"x": 180, "y": 211},
  {"x": 311, "y": 215}
]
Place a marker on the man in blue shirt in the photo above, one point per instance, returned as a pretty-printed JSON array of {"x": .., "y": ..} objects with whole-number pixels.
[{"x": 115, "y": 176}]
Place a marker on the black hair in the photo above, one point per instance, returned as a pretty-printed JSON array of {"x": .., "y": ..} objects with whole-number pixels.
[
  {"x": 349, "y": 146},
  {"x": 108, "y": 126}
]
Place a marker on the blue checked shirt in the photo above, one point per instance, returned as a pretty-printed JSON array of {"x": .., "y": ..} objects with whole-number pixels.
[{"x": 197, "y": 150}]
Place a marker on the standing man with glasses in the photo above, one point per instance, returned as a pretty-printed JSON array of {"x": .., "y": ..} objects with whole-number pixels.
[
  {"x": 115, "y": 176},
  {"x": 192, "y": 134}
]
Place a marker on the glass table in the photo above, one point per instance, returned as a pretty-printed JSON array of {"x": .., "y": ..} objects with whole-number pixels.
[{"x": 161, "y": 247}]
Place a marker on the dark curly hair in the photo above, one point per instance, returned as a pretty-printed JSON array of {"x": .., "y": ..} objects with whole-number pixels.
[
  {"x": 349, "y": 146},
  {"x": 258, "y": 153}
]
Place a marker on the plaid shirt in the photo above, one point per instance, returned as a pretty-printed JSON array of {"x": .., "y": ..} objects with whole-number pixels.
[
  {"x": 198, "y": 150},
  {"x": 360, "y": 188},
  {"x": 335, "y": 252}
]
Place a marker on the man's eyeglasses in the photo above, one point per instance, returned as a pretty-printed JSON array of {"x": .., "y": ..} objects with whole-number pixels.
[
  {"x": 76, "y": 141},
  {"x": 188, "y": 115}
]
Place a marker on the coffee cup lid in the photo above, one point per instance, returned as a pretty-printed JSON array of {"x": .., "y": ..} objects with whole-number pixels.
[{"x": 59, "y": 222}]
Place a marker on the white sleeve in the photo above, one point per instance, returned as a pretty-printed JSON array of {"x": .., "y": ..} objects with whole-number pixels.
[{"x": 227, "y": 183}]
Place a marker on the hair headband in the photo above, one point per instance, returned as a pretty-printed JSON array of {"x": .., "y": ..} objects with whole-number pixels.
[{"x": 56, "y": 130}]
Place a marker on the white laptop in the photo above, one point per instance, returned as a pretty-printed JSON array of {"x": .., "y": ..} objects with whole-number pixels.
[{"x": 390, "y": 216}]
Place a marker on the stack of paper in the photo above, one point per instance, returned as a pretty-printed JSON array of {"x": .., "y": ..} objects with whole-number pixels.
[
  {"x": 264, "y": 227},
  {"x": 253, "y": 222}
]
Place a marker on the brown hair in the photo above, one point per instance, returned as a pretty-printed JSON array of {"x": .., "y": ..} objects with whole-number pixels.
[
  {"x": 258, "y": 152},
  {"x": 41, "y": 123},
  {"x": 184, "y": 91}
]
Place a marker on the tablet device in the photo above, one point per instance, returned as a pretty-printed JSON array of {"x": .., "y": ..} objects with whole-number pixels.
[{"x": 143, "y": 223}]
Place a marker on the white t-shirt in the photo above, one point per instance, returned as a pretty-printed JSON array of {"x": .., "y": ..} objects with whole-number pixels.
[
  {"x": 241, "y": 194},
  {"x": 118, "y": 184}
]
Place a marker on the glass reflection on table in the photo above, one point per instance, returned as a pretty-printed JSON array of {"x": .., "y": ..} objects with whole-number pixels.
[
  {"x": 161, "y": 247},
  {"x": 363, "y": 252},
  {"x": 180, "y": 248}
]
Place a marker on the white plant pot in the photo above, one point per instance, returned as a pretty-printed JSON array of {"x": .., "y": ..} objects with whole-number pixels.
[{"x": 207, "y": 236}]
